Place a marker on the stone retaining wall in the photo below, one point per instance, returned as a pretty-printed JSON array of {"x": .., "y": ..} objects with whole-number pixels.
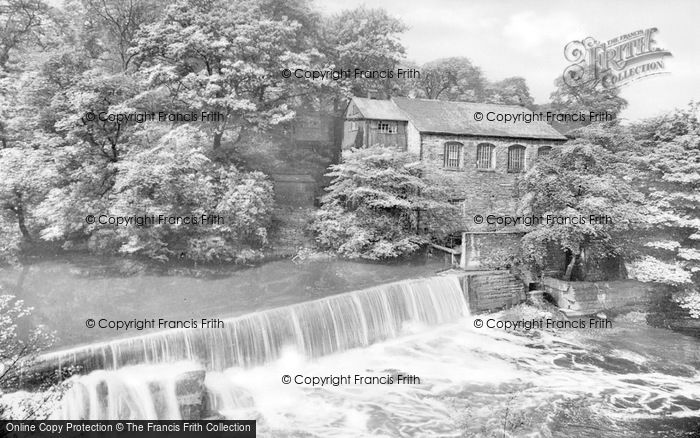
[
  {"x": 492, "y": 290},
  {"x": 587, "y": 297}
]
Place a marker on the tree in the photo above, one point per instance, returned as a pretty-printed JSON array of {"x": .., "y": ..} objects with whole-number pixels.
[
  {"x": 20, "y": 23},
  {"x": 509, "y": 91},
  {"x": 176, "y": 179},
  {"x": 455, "y": 79},
  {"x": 115, "y": 24},
  {"x": 584, "y": 98},
  {"x": 16, "y": 348},
  {"x": 667, "y": 160},
  {"x": 581, "y": 181},
  {"x": 88, "y": 112},
  {"x": 27, "y": 175},
  {"x": 21, "y": 27},
  {"x": 378, "y": 203},
  {"x": 664, "y": 164},
  {"x": 225, "y": 58},
  {"x": 363, "y": 38}
]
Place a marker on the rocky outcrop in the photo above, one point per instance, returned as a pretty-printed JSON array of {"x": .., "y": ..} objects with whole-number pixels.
[{"x": 190, "y": 394}]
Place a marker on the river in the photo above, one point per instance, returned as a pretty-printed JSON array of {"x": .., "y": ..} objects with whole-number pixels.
[
  {"x": 459, "y": 378},
  {"x": 65, "y": 293}
]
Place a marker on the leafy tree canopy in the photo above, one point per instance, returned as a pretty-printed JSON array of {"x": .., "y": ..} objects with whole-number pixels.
[
  {"x": 379, "y": 202},
  {"x": 579, "y": 180}
]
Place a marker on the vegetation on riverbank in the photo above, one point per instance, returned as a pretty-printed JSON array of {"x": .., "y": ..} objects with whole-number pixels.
[
  {"x": 378, "y": 204},
  {"x": 78, "y": 82},
  {"x": 102, "y": 116},
  {"x": 646, "y": 178},
  {"x": 20, "y": 342}
]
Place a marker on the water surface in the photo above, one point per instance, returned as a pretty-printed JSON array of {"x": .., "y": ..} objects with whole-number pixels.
[{"x": 65, "y": 293}]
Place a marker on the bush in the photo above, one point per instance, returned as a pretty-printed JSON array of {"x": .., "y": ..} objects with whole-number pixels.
[
  {"x": 379, "y": 204},
  {"x": 174, "y": 178}
]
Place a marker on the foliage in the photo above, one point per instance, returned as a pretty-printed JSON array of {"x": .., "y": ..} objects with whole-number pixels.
[
  {"x": 378, "y": 203},
  {"x": 583, "y": 99},
  {"x": 650, "y": 269},
  {"x": 362, "y": 38},
  {"x": 20, "y": 24},
  {"x": 113, "y": 25},
  {"x": 18, "y": 345},
  {"x": 27, "y": 177},
  {"x": 509, "y": 91},
  {"x": 662, "y": 162},
  {"x": 579, "y": 180},
  {"x": 15, "y": 344},
  {"x": 226, "y": 58},
  {"x": 174, "y": 178},
  {"x": 458, "y": 79},
  {"x": 450, "y": 79},
  {"x": 667, "y": 164}
]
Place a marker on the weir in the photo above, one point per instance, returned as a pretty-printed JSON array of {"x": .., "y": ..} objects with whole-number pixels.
[
  {"x": 191, "y": 373},
  {"x": 314, "y": 328}
]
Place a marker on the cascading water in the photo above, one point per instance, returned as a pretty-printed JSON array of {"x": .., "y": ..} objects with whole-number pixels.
[
  {"x": 474, "y": 258},
  {"x": 132, "y": 393},
  {"x": 135, "y": 377},
  {"x": 315, "y": 328},
  {"x": 474, "y": 380}
]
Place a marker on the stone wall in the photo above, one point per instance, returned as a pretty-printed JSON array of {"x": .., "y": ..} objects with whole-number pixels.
[
  {"x": 484, "y": 191},
  {"x": 586, "y": 297},
  {"x": 493, "y": 290},
  {"x": 484, "y": 250}
]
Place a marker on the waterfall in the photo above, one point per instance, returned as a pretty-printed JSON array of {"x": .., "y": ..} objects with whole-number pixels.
[
  {"x": 131, "y": 393},
  {"x": 150, "y": 376},
  {"x": 314, "y": 328},
  {"x": 473, "y": 256}
]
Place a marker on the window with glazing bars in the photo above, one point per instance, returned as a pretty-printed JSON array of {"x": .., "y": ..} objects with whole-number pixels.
[
  {"x": 516, "y": 158},
  {"x": 386, "y": 127},
  {"x": 453, "y": 150},
  {"x": 544, "y": 150},
  {"x": 484, "y": 156}
]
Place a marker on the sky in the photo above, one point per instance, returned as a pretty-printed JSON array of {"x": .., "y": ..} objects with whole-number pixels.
[{"x": 527, "y": 38}]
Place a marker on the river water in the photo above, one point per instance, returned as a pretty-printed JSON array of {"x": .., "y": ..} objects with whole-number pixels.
[
  {"x": 459, "y": 380},
  {"x": 630, "y": 381},
  {"x": 65, "y": 293}
]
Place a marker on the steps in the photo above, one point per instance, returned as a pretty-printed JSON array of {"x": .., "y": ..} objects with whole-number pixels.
[{"x": 289, "y": 233}]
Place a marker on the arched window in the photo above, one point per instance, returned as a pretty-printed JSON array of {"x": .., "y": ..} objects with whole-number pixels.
[
  {"x": 516, "y": 158},
  {"x": 544, "y": 150},
  {"x": 453, "y": 153},
  {"x": 484, "y": 156}
]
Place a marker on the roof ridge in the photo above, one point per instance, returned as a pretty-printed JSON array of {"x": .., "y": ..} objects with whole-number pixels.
[
  {"x": 461, "y": 102},
  {"x": 454, "y": 117}
]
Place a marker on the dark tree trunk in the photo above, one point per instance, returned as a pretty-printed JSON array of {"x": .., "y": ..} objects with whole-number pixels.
[
  {"x": 19, "y": 211},
  {"x": 217, "y": 140},
  {"x": 3, "y": 137},
  {"x": 570, "y": 267}
]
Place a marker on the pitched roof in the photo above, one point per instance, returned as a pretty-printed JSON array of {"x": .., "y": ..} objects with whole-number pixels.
[
  {"x": 444, "y": 117},
  {"x": 378, "y": 109},
  {"x": 438, "y": 116}
]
